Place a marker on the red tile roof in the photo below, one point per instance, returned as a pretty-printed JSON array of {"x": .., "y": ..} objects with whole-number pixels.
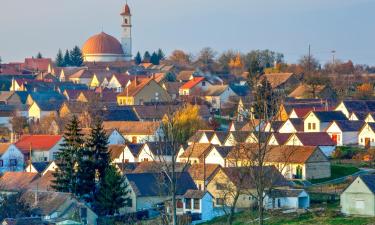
[
  {"x": 192, "y": 83},
  {"x": 37, "y": 64},
  {"x": 37, "y": 142},
  {"x": 315, "y": 139},
  {"x": 14, "y": 181}
]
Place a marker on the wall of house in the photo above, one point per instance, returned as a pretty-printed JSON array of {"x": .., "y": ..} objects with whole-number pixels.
[
  {"x": 311, "y": 119},
  {"x": 12, "y": 153},
  {"x": 52, "y": 152},
  {"x": 287, "y": 127},
  {"x": 126, "y": 156},
  {"x": 214, "y": 157},
  {"x": 149, "y": 93},
  {"x": 317, "y": 170},
  {"x": 366, "y": 132},
  {"x": 350, "y": 138},
  {"x": 34, "y": 112},
  {"x": 115, "y": 138},
  {"x": 357, "y": 199},
  {"x": 341, "y": 107},
  {"x": 332, "y": 130},
  {"x": 140, "y": 138}
]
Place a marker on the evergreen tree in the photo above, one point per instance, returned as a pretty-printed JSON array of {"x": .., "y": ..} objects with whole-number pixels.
[
  {"x": 146, "y": 57},
  {"x": 76, "y": 57},
  {"x": 155, "y": 59},
  {"x": 39, "y": 55},
  {"x": 67, "y": 61},
  {"x": 59, "y": 59},
  {"x": 98, "y": 145},
  {"x": 112, "y": 193},
  {"x": 86, "y": 175},
  {"x": 161, "y": 55},
  {"x": 68, "y": 158},
  {"x": 138, "y": 59}
]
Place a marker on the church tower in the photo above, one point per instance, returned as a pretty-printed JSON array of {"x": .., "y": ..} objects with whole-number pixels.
[{"x": 126, "y": 39}]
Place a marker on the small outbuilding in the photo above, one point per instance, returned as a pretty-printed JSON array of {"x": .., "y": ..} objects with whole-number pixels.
[{"x": 287, "y": 199}]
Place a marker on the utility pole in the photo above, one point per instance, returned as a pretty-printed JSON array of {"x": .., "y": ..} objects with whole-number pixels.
[
  {"x": 309, "y": 60},
  {"x": 333, "y": 61}
]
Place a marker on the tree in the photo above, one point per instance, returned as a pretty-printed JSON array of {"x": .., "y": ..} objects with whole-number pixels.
[
  {"x": 309, "y": 64},
  {"x": 154, "y": 59},
  {"x": 19, "y": 125},
  {"x": 76, "y": 58},
  {"x": 98, "y": 146},
  {"x": 257, "y": 60},
  {"x": 178, "y": 126},
  {"x": 225, "y": 59},
  {"x": 161, "y": 55},
  {"x": 39, "y": 55},
  {"x": 170, "y": 77},
  {"x": 314, "y": 81},
  {"x": 264, "y": 100},
  {"x": 112, "y": 193},
  {"x": 13, "y": 206},
  {"x": 68, "y": 159},
  {"x": 138, "y": 59},
  {"x": 364, "y": 91},
  {"x": 180, "y": 58},
  {"x": 146, "y": 57},
  {"x": 67, "y": 61},
  {"x": 59, "y": 59},
  {"x": 206, "y": 59}
]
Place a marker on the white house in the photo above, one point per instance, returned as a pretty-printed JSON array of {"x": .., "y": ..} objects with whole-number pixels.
[
  {"x": 287, "y": 199},
  {"x": 11, "y": 158},
  {"x": 194, "y": 86},
  {"x": 115, "y": 138},
  {"x": 319, "y": 121},
  {"x": 366, "y": 135},
  {"x": 128, "y": 153},
  {"x": 201, "y": 136},
  {"x": 321, "y": 139},
  {"x": 293, "y": 125},
  {"x": 218, "y": 95},
  {"x": 218, "y": 155},
  {"x": 155, "y": 151},
  {"x": 344, "y": 132}
]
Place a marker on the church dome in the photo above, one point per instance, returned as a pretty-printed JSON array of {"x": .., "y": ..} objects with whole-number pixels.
[{"x": 102, "y": 44}]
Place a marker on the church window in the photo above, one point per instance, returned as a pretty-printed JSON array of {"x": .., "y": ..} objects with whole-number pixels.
[{"x": 126, "y": 21}]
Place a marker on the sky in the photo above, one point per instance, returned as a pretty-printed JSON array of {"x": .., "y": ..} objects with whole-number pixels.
[{"x": 287, "y": 26}]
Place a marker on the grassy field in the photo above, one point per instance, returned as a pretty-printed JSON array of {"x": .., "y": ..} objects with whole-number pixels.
[
  {"x": 337, "y": 171},
  {"x": 328, "y": 217}
]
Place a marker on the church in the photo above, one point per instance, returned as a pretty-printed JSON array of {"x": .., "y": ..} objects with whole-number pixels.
[{"x": 103, "y": 47}]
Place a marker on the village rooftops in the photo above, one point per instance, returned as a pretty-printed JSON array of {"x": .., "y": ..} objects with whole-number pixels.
[{"x": 37, "y": 142}]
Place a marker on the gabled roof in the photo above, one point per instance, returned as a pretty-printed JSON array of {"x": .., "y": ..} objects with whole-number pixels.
[
  {"x": 369, "y": 180},
  {"x": 329, "y": 116},
  {"x": 115, "y": 151},
  {"x": 135, "y": 86},
  {"x": 37, "y": 142},
  {"x": 185, "y": 75},
  {"x": 224, "y": 150},
  {"x": 156, "y": 184},
  {"x": 297, "y": 123},
  {"x": 215, "y": 90},
  {"x": 48, "y": 202},
  {"x": 277, "y": 79},
  {"x": 40, "y": 166},
  {"x": 160, "y": 148},
  {"x": 349, "y": 125},
  {"x": 135, "y": 149},
  {"x": 314, "y": 139},
  {"x": 196, "y": 194},
  {"x": 15, "y": 181},
  {"x": 281, "y": 138},
  {"x": 359, "y": 105},
  {"x": 120, "y": 114},
  {"x": 197, "y": 150},
  {"x": 157, "y": 167},
  {"x": 132, "y": 127},
  {"x": 290, "y": 154},
  {"x": 281, "y": 193},
  {"x": 192, "y": 83},
  {"x": 200, "y": 171}
]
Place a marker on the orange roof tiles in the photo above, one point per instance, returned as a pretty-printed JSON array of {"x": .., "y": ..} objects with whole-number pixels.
[
  {"x": 192, "y": 83},
  {"x": 37, "y": 142}
]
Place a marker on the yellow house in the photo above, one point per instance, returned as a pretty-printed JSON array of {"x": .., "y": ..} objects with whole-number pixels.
[{"x": 143, "y": 91}]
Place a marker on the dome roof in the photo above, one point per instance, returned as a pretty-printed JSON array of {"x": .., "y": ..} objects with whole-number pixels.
[{"x": 102, "y": 44}]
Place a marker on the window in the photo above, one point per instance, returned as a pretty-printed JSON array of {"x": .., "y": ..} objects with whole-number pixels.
[
  {"x": 188, "y": 203},
  {"x": 203, "y": 83},
  {"x": 359, "y": 204},
  {"x": 309, "y": 126},
  {"x": 145, "y": 160},
  {"x": 13, "y": 162},
  {"x": 220, "y": 186},
  {"x": 196, "y": 203},
  {"x": 219, "y": 201},
  {"x": 126, "y": 21},
  {"x": 313, "y": 126},
  {"x": 179, "y": 204},
  {"x": 1, "y": 163}
]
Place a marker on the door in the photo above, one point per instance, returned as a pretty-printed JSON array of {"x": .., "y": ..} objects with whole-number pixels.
[
  {"x": 334, "y": 138},
  {"x": 367, "y": 143}
]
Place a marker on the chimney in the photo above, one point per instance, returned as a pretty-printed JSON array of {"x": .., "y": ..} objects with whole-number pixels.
[{"x": 136, "y": 81}]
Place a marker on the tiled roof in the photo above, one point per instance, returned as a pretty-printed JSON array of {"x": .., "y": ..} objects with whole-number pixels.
[
  {"x": 120, "y": 114},
  {"x": 132, "y": 127},
  {"x": 115, "y": 151},
  {"x": 40, "y": 166},
  {"x": 360, "y": 105},
  {"x": 43, "y": 183},
  {"x": 276, "y": 79},
  {"x": 197, "y": 194},
  {"x": 135, "y": 86},
  {"x": 306, "y": 91},
  {"x": 48, "y": 202},
  {"x": 185, "y": 75},
  {"x": 15, "y": 181},
  {"x": 192, "y": 83},
  {"x": 329, "y": 116},
  {"x": 281, "y": 193},
  {"x": 172, "y": 87},
  {"x": 160, "y": 148},
  {"x": 290, "y": 154},
  {"x": 156, "y": 184},
  {"x": 215, "y": 90},
  {"x": 3, "y": 148},
  {"x": 37, "y": 142},
  {"x": 198, "y": 170},
  {"x": 156, "y": 167},
  {"x": 315, "y": 139},
  {"x": 281, "y": 138},
  {"x": 196, "y": 150}
]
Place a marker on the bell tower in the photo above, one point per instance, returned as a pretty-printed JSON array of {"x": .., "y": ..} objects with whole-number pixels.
[{"x": 126, "y": 39}]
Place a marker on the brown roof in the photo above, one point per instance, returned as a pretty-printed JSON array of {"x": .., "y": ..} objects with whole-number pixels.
[
  {"x": 197, "y": 171},
  {"x": 185, "y": 75},
  {"x": 194, "y": 194},
  {"x": 126, "y": 10},
  {"x": 48, "y": 202},
  {"x": 102, "y": 44},
  {"x": 276, "y": 79},
  {"x": 43, "y": 183},
  {"x": 196, "y": 150},
  {"x": 305, "y": 91},
  {"x": 3, "y": 148},
  {"x": 132, "y": 127},
  {"x": 315, "y": 139},
  {"x": 116, "y": 150},
  {"x": 172, "y": 87},
  {"x": 156, "y": 167},
  {"x": 281, "y": 138},
  {"x": 135, "y": 86},
  {"x": 15, "y": 181},
  {"x": 290, "y": 154}
]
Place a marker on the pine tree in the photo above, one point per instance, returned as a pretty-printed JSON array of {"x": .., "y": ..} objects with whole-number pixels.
[
  {"x": 138, "y": 59},
  {"x": 59, "y": 59},
  {"x": 112, "y": 193},
  {"x": 146, "y": 57},
  {"x": 161, "y": 55},
  {"x": 86, "y": 176},
  {"x": 98, "y": 145},
  {"x": 76, "y": 57},
  {"x": 67, "y": 61},
  {"x": 39, "y": 55},
  {"x": 68, "y": 158},
  {"x": 155, "y": 59}
]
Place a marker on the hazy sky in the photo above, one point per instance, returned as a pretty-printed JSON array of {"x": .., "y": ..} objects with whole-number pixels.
[{"x": 287, "y": 26}]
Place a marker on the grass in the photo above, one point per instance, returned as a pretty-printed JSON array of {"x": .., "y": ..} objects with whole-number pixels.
[
  {"x": 327, "y": 217},
  {"x": 337, "y": 171}
]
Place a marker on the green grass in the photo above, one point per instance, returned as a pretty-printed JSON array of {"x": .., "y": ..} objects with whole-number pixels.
[
  {"x": 337, "y": 171},
  {"x": 328, "y": 217}
]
